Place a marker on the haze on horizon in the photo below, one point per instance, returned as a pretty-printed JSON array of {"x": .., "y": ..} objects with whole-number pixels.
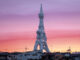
[{"x": 19, "y": 22}]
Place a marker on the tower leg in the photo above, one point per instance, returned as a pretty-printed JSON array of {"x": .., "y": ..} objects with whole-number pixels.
[
  {"x": 36, "y": 44},
  {"x": 41, "y": 47}
]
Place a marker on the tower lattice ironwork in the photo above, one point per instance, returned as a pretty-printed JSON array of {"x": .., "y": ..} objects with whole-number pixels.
[{"x": 41, "y": 36}]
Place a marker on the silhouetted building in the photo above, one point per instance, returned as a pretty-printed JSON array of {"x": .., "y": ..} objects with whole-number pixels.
[{"x": 4, "y": 55}]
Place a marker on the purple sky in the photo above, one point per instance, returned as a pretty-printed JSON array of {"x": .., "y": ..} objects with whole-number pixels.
[
  {"x": 19, "y": 16},
  {"x": 23, "y": 7},
  {"x": 64, "y": 11}
]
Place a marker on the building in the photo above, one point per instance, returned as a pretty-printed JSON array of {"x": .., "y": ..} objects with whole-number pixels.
[{"x": 4, "y": 55}]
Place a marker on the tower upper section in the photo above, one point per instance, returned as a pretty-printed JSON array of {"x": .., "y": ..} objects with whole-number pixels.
[{"x": 41, "y": 23}]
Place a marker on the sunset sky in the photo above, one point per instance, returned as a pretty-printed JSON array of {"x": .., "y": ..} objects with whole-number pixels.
[{"x": 19, "y": 22}]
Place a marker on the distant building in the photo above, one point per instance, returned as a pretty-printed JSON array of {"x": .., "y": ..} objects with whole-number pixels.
[
  {"x": 4, "y": 55},
  {"x": 75, "y": 56},
  {"x": 32, "y": 55}
]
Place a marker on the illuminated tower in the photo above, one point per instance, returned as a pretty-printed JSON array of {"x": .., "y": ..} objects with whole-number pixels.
[{"x": 41, "y": 36}]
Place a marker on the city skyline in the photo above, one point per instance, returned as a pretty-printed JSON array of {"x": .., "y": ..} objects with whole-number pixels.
[{"x": 19, "y": 22}]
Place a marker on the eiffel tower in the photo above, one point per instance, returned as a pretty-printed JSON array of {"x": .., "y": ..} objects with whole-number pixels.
[{"x": 41, "y": 36}]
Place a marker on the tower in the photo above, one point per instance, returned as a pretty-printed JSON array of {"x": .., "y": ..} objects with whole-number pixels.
[{"x": 41, "y": 36}]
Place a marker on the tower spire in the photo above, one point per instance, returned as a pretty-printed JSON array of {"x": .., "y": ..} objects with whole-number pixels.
[
  {"x": 41, "y": 15},
  {"x": 41, "y": 10}
]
